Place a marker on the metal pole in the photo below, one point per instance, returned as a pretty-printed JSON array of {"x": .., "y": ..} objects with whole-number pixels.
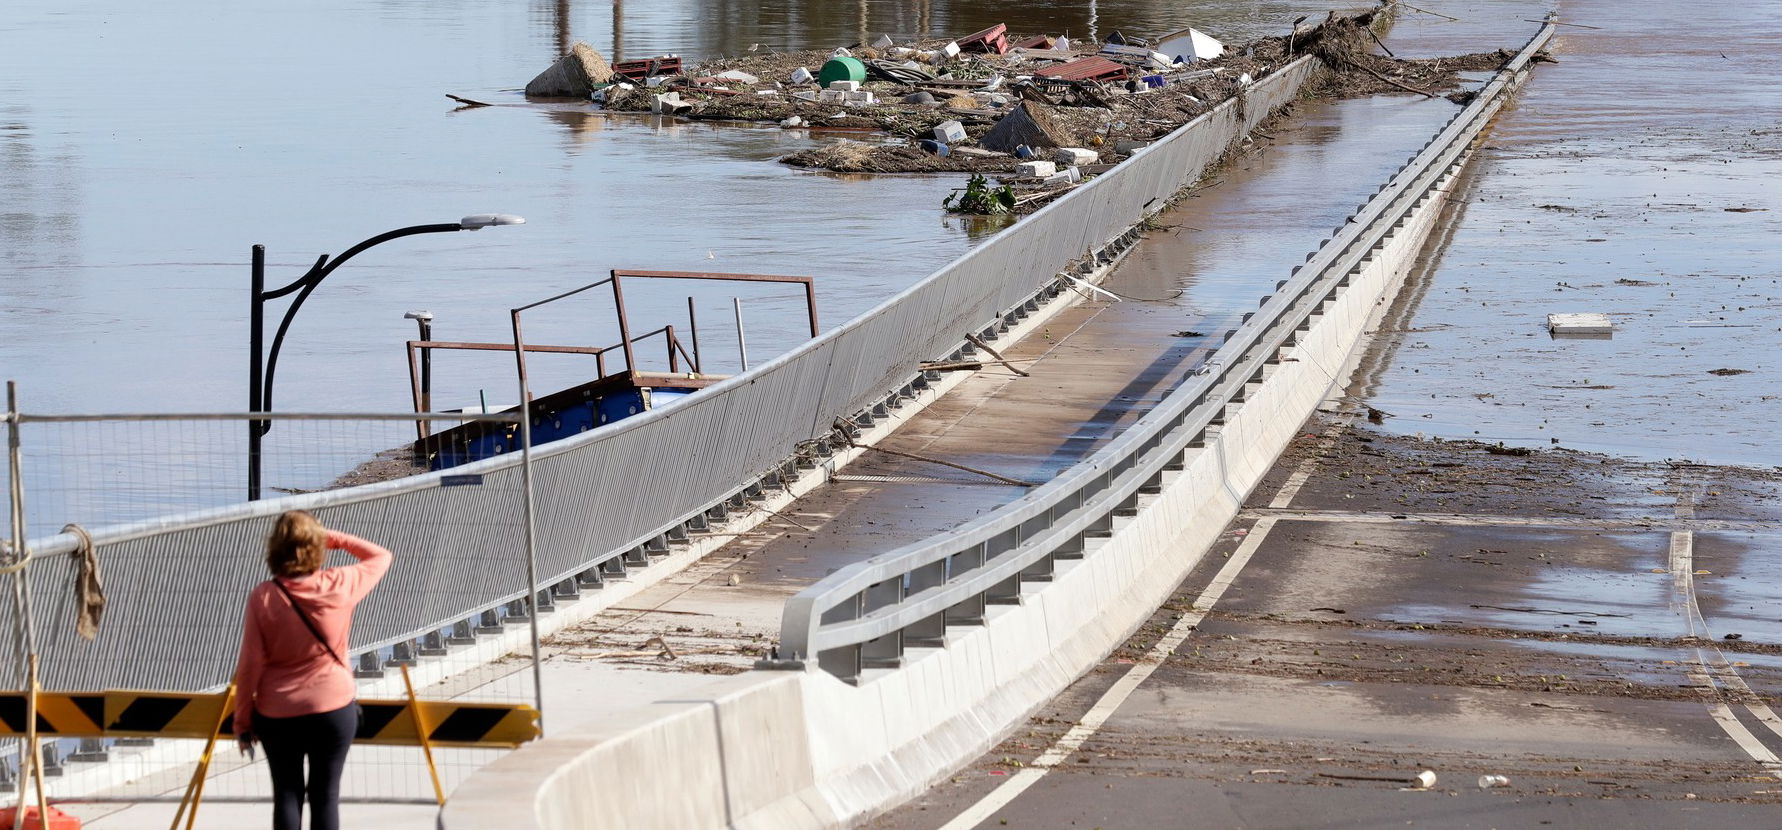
[
  {"x": 693, "y": 326},
  {"x": 427, "y": 366},
  {"x": 15, "y": 498},
  {"x": 531, "y": 533},
  {"x": 424, "y": 394},
  {"x": 256, "y": 366},
  {"x": 27, "y": 639},
  {"x": 742, "y": 342}
]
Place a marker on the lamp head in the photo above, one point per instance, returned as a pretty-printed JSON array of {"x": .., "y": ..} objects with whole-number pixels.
[
  {"x": 477, "y": 222},
  {"x": 423, "y": 316}
]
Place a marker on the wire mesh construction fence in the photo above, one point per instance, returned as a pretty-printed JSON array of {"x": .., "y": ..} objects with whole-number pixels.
[{"x": 454, "y": 611}]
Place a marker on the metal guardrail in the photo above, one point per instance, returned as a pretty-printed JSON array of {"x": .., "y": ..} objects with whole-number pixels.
[{"x": 865, "y": 615}]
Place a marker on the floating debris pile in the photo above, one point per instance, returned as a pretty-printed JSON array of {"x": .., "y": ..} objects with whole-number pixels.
[{"x": 987, "y": 103}]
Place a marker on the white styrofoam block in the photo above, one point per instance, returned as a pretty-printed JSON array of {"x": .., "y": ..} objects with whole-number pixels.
[
  {"x": 801, "y": 75},
  {"x": 860, "y": 98},
  {"x": 1072, "y": 156},
  {"x": 1585, "y": 323},
  {"x": 805, "y": 95},
  {"x": 831, "y": 96},
  {"x": 738, "y": 76},
  {"x": 1036, "y": 168},
  {"x": 951, "y": 50},
  {"x": 845, "y": 86},
  {"x": 949, "y": 132},
  {"x": 669, "y": 104}
]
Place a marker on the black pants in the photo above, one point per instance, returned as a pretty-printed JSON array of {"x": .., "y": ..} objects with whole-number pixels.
[{"x": 323, "y": 738}]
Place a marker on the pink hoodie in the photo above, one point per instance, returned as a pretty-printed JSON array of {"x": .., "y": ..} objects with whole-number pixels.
[{"x": 283, "y": 671}]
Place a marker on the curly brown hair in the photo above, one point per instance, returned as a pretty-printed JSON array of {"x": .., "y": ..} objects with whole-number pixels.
[{"x": 297, "y": 546}]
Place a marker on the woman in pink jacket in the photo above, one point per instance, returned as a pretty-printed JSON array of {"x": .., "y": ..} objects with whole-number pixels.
[{"x": 294, "y": 690}]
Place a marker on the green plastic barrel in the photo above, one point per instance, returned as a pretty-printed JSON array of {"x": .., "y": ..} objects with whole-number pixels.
[{"x": 841, "y": 69}]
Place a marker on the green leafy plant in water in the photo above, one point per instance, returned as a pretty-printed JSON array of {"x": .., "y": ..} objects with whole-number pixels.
[{"x": 980, "y": 199}]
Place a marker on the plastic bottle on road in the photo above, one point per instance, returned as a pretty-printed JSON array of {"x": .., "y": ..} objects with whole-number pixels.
[{"x": 1487, "y": 782}]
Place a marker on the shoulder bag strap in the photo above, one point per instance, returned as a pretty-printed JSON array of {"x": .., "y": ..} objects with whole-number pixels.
[{"x": 307, "y": 622}]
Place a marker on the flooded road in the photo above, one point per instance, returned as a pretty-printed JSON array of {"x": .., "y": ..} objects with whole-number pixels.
[{"x": 1636, "y": 178}]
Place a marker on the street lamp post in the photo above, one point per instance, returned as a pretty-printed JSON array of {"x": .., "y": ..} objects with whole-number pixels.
[
  {"x": 263, "y": 365},
  {"x": 424, "y": 320}
]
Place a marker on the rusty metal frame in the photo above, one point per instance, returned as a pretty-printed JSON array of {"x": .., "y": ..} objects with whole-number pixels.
[
  {"x": 618, "y": 274},
  {"x": 616, "y": 278},
  {"x": 424, "y": 402}
]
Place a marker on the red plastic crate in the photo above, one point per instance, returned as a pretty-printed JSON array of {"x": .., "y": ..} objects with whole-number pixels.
[
  {"x": 993, "y": 40},
  {"x": 58, "y": 820},
  {"x": 1094, "y": 68}
]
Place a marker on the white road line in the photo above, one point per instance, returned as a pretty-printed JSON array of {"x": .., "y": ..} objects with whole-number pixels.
[
  {"x": 1116, "y": 695},
  {"x": 1715, "y": 668}
]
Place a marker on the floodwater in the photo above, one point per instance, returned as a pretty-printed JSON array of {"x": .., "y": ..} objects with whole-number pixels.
[
  {"x": 1638, "y": 178},
  {"x": 145, "y": 147}
]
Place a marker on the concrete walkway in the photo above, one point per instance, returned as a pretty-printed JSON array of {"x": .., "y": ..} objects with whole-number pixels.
[{"x": 1094, "y": 368}]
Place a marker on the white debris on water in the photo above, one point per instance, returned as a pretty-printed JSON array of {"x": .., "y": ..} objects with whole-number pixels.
[{"x": 1583, "y": 323}]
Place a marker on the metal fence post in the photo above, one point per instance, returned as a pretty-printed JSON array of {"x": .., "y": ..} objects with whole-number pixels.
[{"x": 528, "y": 518}]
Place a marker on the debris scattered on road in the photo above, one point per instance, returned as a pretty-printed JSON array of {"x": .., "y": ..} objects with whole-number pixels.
[
  {"x": 1422, "y": 780},
  {"x": 1487, "y": 782}
]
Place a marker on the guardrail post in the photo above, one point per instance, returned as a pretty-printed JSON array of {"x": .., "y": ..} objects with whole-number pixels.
[
  {"x": 432, "y": 645},
  {"x": 969, "y": 611},
  {"x": 461, "y": 634},
  {"x": 371, "y": 666},
  {"x": 841, "y": 662},
  {"x": 590, "y": 578},
  {"x": 91, "y": 750},
  {"x": 1071, "y": 548},
  {"x": 883, "y": 653},
  {"x": 401, "y": 654},
  {"x": 1006, "y": 592}
]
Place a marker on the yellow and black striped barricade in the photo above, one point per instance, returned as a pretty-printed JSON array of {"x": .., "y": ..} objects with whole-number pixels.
[{"x": 126, "y": 713}]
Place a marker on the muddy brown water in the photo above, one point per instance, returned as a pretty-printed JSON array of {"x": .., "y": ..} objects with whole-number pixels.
[
  {"x": 144, "y": 149},
  {"x": 1636, "y": 178}
]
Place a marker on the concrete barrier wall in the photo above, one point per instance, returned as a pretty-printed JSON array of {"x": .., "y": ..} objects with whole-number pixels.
[{"x": 804, "y": 749}]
